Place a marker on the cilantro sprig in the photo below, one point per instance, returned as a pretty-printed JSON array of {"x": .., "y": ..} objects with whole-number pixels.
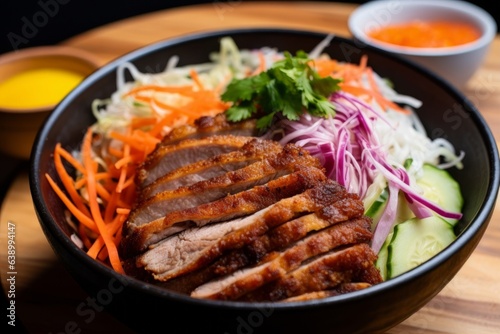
[{"x": 290, "y": 87}]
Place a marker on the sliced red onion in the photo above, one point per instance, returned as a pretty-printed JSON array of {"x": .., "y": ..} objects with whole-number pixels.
[
  {"x": 351, "y": 153},
  {"x": 387, "y": 220}
]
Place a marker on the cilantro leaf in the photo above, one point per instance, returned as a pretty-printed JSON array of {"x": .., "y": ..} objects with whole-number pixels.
[
  {"x": 290, "y": 87},
  {"x": 242, "y": 111},
  {"x": 263, "y": 122}
]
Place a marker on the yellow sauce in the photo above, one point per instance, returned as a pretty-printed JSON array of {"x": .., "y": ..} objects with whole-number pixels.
[
  {"x": 37, "y": 88},
  {"x": 423, "y": 34}
]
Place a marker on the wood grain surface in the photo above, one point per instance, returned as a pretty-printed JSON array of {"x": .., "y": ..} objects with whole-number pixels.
[{"x": 47, "y": 297}]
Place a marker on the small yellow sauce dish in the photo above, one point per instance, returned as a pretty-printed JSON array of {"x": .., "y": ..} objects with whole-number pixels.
[
  {"x": 32, "y": 82},
  {"x": 37, "y": 88}
]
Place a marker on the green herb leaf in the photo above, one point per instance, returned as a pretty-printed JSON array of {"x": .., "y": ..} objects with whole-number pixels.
[{"x": 290, "y": 87}]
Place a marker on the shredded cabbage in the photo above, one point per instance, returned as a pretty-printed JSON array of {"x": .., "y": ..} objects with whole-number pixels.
[{"x": 230, "y": 62}]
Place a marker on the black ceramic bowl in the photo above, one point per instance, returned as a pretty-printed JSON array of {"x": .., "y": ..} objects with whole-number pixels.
[{"x": 144, "y": 307}]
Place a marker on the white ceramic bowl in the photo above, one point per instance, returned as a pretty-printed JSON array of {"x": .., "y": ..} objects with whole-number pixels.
[{"x": 456, "y": 64}]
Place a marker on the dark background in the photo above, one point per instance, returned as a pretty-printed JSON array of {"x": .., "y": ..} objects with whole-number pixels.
[{"x": 67, "y": 18}]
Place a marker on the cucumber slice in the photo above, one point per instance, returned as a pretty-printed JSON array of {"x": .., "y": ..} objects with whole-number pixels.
[
  {"x": 416, "y": 241},
  {"x": 377, "y": 207},
  {"x": 439, "y": 187},
  {"x": 403, "y": 212},
  {"x": 381, "y": 262}
]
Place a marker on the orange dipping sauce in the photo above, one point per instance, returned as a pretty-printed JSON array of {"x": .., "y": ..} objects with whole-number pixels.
[{"x": 422, "y": 34}]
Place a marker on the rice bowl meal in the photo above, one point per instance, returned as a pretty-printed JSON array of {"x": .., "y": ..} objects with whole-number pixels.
[{"x": 263, "y": 175}]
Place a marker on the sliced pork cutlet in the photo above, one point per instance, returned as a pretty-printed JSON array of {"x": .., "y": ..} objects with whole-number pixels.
[
  {"x": 178, "y": 246},
  {"x": 206, "y": 126},
  {"x": 166, "y": 158},
  {"x": 338, "y": 290},
  {"x": 233, "y": 286},
  {"x": 263, "y": 248},
  {"x": 168, "y": 259},
  {"x": 250, "y": 152},
  {"x": 272, "y": 166},
  {"x": 136, "y": 239},
  {"x": 351, "y": 264}
]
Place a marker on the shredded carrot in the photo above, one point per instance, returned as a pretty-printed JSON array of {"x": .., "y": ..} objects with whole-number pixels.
[
  {"x": 262, "y": 63},
  {"x": 80, "y": 216},
  {"x": 355, "y": 90},
  {"x": 99, "y": 243},
  {"x": 186, "y": 111},
  {"x": 117, "y": 153},
  {"x": 139, "y": 122},
  {"x": 99, "y": 176},
  {"x": 166, "y": 89},
  {"x": 95, "y": 209},
  {"x": 100, "y": 196},
  {"x": 138, "y": 140},
  {"x": 122, "y": 211},
  {"x": 169, "y": 119},
  {"x": 325, "y": 66},
  {"x": 127, "y": 183},
  {"x": 110, "y": 209},
  {"x": 196, "y": 79},
  {"x": 357, "y": 80},
  {"x": 82, "y": 233},
  {"x": 95, "y": 248},
  {"x": 127, "y": 158},
  {"x": 66, "y": 155},
  {"x": 101, "y": 191},
  {"x": 385, "y": 103},
  {"x": 200, "y": 100},
  {"x": 67, "y": 181}
]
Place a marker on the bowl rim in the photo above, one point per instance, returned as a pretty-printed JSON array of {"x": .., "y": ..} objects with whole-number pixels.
[
  {"x": 41, "y": 52},
  {"x": 50, "y": 226},
  {"x": 358, "y": 19}
]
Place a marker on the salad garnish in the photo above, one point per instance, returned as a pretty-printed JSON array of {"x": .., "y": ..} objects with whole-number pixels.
[
  {"x": 367, "y": 135},
  {"x": 291, "y": 87}
]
